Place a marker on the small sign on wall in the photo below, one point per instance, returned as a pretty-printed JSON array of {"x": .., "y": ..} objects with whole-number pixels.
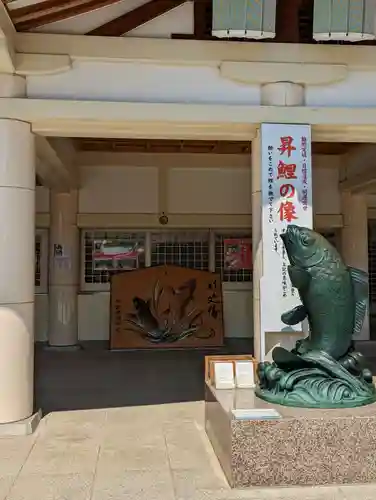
[
  {"x": 237, "y": 254},
  {"x": 110, "y": 255},
  {"x": 61, "y": 257},
  {"x": 58, "y": 250}
]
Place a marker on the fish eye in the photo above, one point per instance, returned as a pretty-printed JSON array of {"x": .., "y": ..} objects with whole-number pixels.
[{"x": 305, "y": 239}]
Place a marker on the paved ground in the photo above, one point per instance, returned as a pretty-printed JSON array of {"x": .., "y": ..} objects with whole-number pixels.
[{"x": 137, "y": 453}]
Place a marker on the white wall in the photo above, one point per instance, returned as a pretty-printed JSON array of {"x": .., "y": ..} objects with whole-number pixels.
[
  {"x": 326, "y": 195},
  {"x": 194, "y": 184},
  {"x": 209, "y": 190},
  {"x": 356, "y": 90},
  {"x": 118, "y": 190}
]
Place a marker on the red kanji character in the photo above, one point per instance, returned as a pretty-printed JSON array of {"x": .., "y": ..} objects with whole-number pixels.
[
  {"x": 286, "y": 145},
  {"x": 287, "y": 211},
  {"x": 287, "y": 191},
  {"x": 286, "y": 170}
]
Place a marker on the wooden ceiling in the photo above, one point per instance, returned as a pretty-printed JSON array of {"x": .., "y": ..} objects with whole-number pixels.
[
  {"x": 294, "y": 18},
  {"x": 45, "y": 12},
  {"x": 49, "y": 11},
  {"x": 175, "y": 146}
]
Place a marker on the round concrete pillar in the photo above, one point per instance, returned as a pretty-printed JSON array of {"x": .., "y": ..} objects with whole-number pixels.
[
  {"x": 17, "y": 268},
  {"x": 64, "y": 270},
  {"x": 16, "y": 368}
]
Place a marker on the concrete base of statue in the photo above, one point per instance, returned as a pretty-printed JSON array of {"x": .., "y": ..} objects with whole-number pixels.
[{"x": 303, "y": 447}]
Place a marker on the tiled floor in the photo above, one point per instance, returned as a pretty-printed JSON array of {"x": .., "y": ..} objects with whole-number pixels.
[{"x": 137, "y": 453}]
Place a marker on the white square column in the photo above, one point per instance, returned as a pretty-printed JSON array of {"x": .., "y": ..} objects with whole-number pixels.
[
  {"x": 17, "y": 270},
  {"x": 354, "y": 240},
  {"x": 272, "y": 94}
]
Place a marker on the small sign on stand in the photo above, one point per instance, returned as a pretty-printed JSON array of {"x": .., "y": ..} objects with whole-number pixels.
[
  {"x": 229, "y": 372},
  {"x": 224, "y": 375},
  {"x": 244, "y": 374},
  {"x": 256, "y": 414}
]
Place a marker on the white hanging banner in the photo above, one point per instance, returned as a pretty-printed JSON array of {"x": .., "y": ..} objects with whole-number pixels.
[{"x": 286, "y": 199}]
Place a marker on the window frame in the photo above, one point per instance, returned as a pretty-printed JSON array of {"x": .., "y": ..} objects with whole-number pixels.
[
  {"x": 103, "y": 287},
  {"x": 231, "y": 286},
  {"x": 205, "y": 232},
  {"x": 212, "y": 233},
  {"x": 43, "y": 287}
]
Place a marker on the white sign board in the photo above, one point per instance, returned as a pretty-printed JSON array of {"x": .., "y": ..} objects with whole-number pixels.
[
  {"x": 244, "y": 374},
  {"x": 224, "y": 375},
  {"x": 286, "y": 199}
]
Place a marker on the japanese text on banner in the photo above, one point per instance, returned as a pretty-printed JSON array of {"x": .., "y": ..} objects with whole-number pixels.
[{"x": 287, "y": 199}]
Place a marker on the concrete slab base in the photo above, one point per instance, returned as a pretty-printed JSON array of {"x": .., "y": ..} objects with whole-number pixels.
[
  {"x": 21, "y": 427},
  {"x": 305, "y": 447}
]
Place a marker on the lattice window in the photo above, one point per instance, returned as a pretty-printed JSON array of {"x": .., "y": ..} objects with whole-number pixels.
[
  {"x": 106, "y": 252},
  {"x": 38, "y": 251},
  {"x": 41, "y": 261},
  {"x": 186, "y": 249},
  {"x": 230, "y": 275},
  {"x": 372, "y": 260}
]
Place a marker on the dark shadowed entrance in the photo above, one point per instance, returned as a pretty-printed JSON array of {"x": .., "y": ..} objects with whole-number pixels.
[{"x": 98, "y": 378}]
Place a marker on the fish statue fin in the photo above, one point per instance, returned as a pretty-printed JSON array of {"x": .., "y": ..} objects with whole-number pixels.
[
  {"x": 294, "y": 316},
  {"x": 285, "y": 359},
  {"x": 360, "y": 282},
  {"x": 299, "y": 277}
]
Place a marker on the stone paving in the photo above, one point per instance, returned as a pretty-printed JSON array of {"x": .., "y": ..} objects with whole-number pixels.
[{"x": 138, "y": 453}]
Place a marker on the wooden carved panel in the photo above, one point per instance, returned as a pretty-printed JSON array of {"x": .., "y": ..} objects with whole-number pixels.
[{"x": 166, "y": 306}]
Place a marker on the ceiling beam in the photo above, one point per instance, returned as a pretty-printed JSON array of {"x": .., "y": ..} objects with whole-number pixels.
[
  {"x": 197, "y": 147},
  {"x": 199, "y": 13},
  {"x": 364, "y": 182},
  {"x": 50, "y": 11},
  {"x": 7, "y": 41},
  {"x": 287, "y": 21},
  {"x": 135, "y": 18},
  {"x": 55, "y": 163}
]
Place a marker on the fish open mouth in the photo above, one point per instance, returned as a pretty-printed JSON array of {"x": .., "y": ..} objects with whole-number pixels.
[
  {"x": 288, "y": 233},
  {"x": 285, "y": 237}
]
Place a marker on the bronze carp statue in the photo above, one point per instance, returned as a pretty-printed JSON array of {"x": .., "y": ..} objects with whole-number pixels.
[{"x": 323, "y": 370}]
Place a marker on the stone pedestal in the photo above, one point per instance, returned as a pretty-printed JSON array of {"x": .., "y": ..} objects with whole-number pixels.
[{"x": 304, "y": 447}]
